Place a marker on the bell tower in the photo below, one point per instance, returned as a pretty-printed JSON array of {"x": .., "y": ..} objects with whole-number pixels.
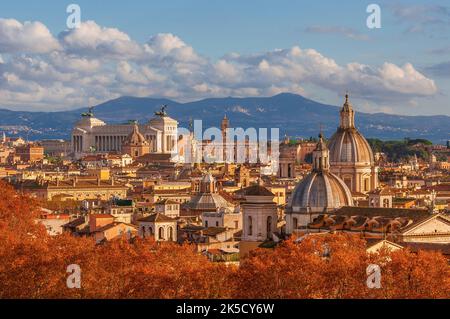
[
  {"x": 224, "y": 126},
  {"x": 260, "y": 218}
]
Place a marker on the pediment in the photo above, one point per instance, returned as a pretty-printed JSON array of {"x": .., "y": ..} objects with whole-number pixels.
[{"x": 436, "y": 225}]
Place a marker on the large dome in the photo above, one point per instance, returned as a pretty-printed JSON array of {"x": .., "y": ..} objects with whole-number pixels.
[
  {"x": 320, "y": 192},
  {"x": 135, "y": 138},
  {"x": 212, "y": 202},
  {"x": 349, "y": 146}
]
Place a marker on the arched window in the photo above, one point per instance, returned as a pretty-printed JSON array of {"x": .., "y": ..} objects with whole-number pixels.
[
  {"x": 143, "y": 231},
  {"x": 269, "y": 227},
  {"x": 250, "y": 226},
  {"x": 150, "y": 230},
  {"x": 170, "y": 234},
  {"x": 161, "y": 233}
]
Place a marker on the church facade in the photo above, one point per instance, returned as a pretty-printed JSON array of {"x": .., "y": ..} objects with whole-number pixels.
[{"x": 92, "y": 135}]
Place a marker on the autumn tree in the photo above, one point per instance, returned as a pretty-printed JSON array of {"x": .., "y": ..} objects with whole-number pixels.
[
  {"x": 33, "y": 265},
  {"x": 334, "y": 266}
]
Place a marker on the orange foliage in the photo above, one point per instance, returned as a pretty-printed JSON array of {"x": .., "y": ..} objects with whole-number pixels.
[
  {"x": 334, "y": 266},
  {"x": 33, "y": 265}
]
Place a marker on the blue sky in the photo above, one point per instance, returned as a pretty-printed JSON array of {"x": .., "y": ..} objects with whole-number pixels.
[{"x": 413, "y": 33}]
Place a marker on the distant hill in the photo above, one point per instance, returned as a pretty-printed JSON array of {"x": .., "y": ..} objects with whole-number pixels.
[{"x": 293, "y": 114}]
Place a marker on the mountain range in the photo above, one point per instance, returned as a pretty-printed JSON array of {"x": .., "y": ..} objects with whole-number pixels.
[{"x": 295, "y": 115}]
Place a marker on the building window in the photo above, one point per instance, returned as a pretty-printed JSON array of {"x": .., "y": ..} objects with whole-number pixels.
[
  {"x": 161, "y": 233},
  {"x": 250, "y": 226}
]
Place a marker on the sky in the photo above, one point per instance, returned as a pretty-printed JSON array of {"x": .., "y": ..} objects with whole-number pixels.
[{"x": 194, "y": 49}]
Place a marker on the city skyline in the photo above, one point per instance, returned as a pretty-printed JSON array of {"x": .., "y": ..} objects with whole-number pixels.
[
  {"x": 224, "y": 155},
  {"x": 217, "y": 50}
]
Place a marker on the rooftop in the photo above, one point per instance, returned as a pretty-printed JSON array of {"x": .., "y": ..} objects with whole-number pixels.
[{"x": 158, "y": 217}]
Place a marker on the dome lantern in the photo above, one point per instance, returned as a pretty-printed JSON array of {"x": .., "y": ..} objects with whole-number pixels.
[
  {"x": 208, "y": 184},
  {"x": 321, "y": 157},
  {"x": 347, "y": 115}
]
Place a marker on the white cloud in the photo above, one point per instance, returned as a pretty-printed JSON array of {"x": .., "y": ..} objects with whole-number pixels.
[
  {"x": 91, "y": 39},
  {"x": 297, "y": 66},
  {"x": 171, "y": 47},
  {"x": 406, "y": 80},
  {"x": 95, "y": 63},
  {"x": 68, "y": 63},
  {"x": 144, "y": 75},
  {"x": 29, "y": 37}
]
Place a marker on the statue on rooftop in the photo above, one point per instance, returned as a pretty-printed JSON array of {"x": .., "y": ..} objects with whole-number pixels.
[
  {"x": 89, "y": 113},
  {"x": 162, "y": 112}
]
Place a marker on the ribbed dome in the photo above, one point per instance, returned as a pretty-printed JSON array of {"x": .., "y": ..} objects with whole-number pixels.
[
  {"x": 320, "y": 192},
  {"x": 135, "y": 138},
  {"x": 349, "y": 146},
  {"x": 209, "y": 201}
]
